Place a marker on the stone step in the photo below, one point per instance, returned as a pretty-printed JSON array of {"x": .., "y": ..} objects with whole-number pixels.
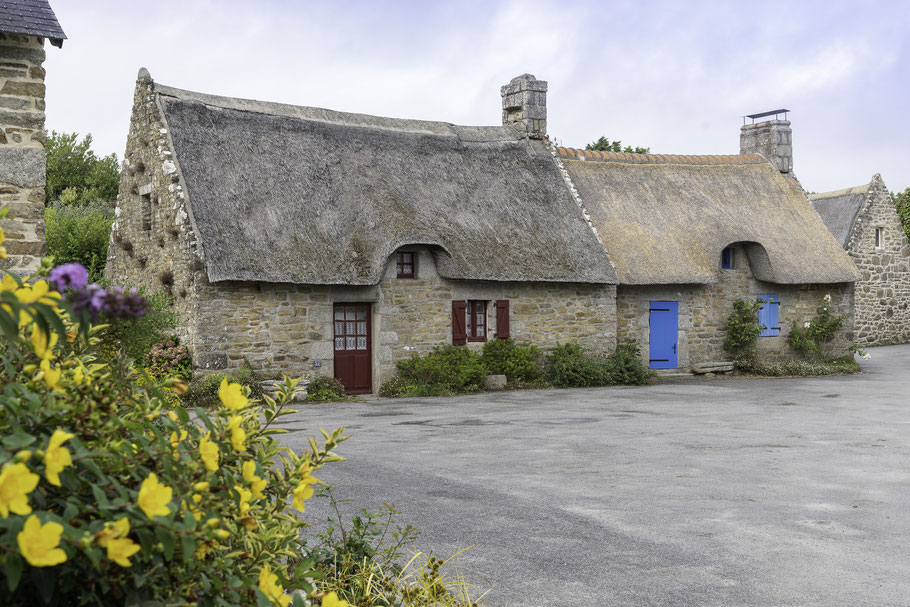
[{"x": 712, "y": 367}]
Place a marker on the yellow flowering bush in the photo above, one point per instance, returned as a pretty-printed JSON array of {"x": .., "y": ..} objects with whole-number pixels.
[{"x": 109, "y": 494}]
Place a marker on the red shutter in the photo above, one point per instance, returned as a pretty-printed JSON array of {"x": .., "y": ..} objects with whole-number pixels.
[
  {"x": 502, "y": 319},
  {"x": 459, "y": 334}
]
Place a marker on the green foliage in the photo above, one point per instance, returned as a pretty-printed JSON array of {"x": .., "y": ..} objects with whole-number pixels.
[
  {"x": 518, "y": 362},
  {"x": 798, "y": 368},
  {"x": 203, "y": 392},
  {"x": 568, "y": 366},
  {"x": 72, "y": 165},
  {"x": 363, "y": 562},
  {"x": 169, "y": 358},
  {"x": 902, "y": 204},
  {"x": 627, "y": 367},
  {"x": 743, "y": 328},
  {"x": 810, "y": 338},
  {"x": 325, "y": 389},
  {"x": 605, "y": 145},
  {"x": 136, "y": 337},
  {"x": 80, "y": 439},
  {"x": 80, "y": 234},
  {"x": 455, "y": 369}
]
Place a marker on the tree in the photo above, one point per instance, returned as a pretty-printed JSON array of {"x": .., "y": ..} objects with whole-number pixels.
[
  {"x": 902, "y": 203},
  {"x": 74, "y": 168},
  {"x": 605, "y": 145}
]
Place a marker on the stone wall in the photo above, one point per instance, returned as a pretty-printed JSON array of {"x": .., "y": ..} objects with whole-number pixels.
[
  {"x": 152, "y": 244},
  {"x": 883, "y": 291},
  {"x": 288, "y": 328},
  {"x": 704, "y": 309},
  {"x": 773, "y": 139},
  {"x": 22, "y": 161}
]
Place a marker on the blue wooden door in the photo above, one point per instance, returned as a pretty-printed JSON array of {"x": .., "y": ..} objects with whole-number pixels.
[{"x": 664, "y": 334}]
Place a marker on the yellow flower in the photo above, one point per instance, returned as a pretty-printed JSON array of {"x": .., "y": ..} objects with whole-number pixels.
[
  {"x": 231, "y": 395},
  {"x": 331, "y": 600},
  {"x": 245, "y": 497},
  {"x": 40, "y": 292},
  {"x": 154, "y": 497},
  {"x": 176, "y": 440},
  {"x": 208, "y": 451},
  {"x": 197, "y": 514},
  {"x": 43, "y": 346},
  {"x": 120, "y": 551},
  {"x": 257, "y": 483},
  {"x": 112, "y": 531},
  {"x": 78, "y": 375},
  {"x": 57, "y": 458},
  {"x": 268, "y": 584},
  {"x": 203, "y": 486},
  {"x": 8, "y": 283},
  {"x": 238, "y": 434},
  {"x": 2, "y": 248},
  {"x": 52, "y": 377},
  {"x": 39, "y": 543},
  {"x": 16, "y": 482},
  {"x": 303, "y": 491}
]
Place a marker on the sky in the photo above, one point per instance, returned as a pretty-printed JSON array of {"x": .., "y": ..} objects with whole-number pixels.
[{"x": 673, "y": 76}]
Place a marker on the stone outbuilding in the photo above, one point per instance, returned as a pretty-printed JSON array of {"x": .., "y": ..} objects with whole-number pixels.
[
  {"x": 866, "y": 224},
  {"x": 24, "y": 26}
]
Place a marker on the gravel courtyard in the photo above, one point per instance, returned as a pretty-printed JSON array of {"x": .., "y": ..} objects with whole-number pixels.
[{"x": 695, "y": 492}]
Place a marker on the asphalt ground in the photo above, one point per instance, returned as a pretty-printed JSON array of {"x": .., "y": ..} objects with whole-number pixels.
[{"x": 689, "y": 492}]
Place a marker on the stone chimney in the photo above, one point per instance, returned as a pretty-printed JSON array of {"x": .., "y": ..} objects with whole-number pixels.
[
  {"x": 524, "y": 101},
  {"x": 773, "y": 139}
]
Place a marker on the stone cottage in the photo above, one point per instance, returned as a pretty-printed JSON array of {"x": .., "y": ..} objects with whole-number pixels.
[
  {"x": 865, "y": 223},
  {"x": 24, "y": 26},
  {"x": 297, "y": 238}
]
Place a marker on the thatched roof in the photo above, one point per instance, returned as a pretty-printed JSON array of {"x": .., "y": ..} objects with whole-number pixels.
[
  {"x": 291, "y": 194},
  {"x": 666, "y": 219},
  {"x": 839, "y": 210}
]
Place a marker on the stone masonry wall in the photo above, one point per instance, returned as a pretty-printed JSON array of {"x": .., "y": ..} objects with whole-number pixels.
[
  {"x": 152, "y": 243},
  {"x": 22, "y": 160},
  {"x": 883, "y": 291},
  {"x": 773, "y": 139},
  {"x": 704, "y": 309},
  {"x": 286, "y": 328}
]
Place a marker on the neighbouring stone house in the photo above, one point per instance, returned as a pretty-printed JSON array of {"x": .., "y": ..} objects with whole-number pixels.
[
  {"x": 865, "y": 223},
  {"x": 298, "y": 238},
  {"x": 24, "y": 26}
]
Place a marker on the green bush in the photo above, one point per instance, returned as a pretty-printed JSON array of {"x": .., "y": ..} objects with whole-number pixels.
[
  {"x": 798, "y": 368},
  {"x": 453, "y": 368},
  {"x": 169, "y": 358},
  {"x": 137, "y": 337},
  {"x": 203, "y": 392},
  {"x": 325, "y": 389},
  {"x": 743, "y": 328},
  {"x": 626, "y": 366},
  {"x": 811, "y": 337},
  {"x": 79, "y": 234},
  {"x": 109, "y": 497},
  {"x": 518, "y": 362},
  {"x": 569, "y": 367}
]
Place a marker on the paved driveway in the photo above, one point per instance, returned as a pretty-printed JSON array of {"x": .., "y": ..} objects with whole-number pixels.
[{"x": 699, "y": 492}]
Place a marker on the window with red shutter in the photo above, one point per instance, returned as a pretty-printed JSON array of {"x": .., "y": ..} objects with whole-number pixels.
[
  {"x": 459, "y": 332},
  {"x": 502, "y": 319},
  {"x": 476, "y": 322}
]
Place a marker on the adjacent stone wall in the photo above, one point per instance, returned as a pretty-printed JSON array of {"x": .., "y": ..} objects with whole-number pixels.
[
  {"x": 22, "y": 161},
  {"x": 883, "y": 291},
  {"x": 152, "y": 244},
  {"x": 704, "y": 309},
  {"x": 288, "y": 328}
]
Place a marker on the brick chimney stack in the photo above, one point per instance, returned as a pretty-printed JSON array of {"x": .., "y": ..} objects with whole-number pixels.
[
  {"x": 773, "y": 139},
  {"x": 524, "y": 101}
]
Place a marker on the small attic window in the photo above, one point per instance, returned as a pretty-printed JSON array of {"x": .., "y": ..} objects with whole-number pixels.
[
  {"x": 726, "y": 258},
  {"x": 879, "y": 238},
  {"x": 405, "y": 265}
]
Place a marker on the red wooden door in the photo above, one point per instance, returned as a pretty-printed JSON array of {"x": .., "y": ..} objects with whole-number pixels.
[{"x": 353, "y": 360}]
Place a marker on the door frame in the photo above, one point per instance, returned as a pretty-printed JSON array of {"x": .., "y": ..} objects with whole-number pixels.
[
  {"x": 671, "y": 307},
  {"x": 366, "y": 354}
]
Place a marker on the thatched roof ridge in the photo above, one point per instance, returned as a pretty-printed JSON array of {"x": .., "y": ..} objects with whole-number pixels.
[
  {"x": 839, "y": 210},
  {"x": 289, "y": 194},
  {"x": 665, "y": 219}
]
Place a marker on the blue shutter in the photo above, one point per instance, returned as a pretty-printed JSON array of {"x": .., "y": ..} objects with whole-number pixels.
[{"x": 768, "y": 316}]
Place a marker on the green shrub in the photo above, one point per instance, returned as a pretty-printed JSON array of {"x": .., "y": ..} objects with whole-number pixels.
[
  {"x": 110, "y": 498},
  {"x": 79, "y": 234},
  {"x": 169, "y": 358},
  {"x": 453, "y": 368},
  {"x": 626, "y": 366},
  {"x": 569, "y": 367},
  {"x": 798, "y": 368},
  {"x": 137, "y": 337},
  {"x": 325, "y": 389},
  {"x": 518, "y": 362},
  {"x": 203, "y": 392},
  {"x": 395, "y": 387},
  {"x": 743, "y": 328},
  {"x": 811, "y": 337}
]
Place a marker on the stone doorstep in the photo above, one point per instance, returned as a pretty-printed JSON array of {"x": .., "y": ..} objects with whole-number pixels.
[{"x": 714, "y": 367}]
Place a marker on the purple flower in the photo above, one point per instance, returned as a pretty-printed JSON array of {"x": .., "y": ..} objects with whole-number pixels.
[
  {"x": 95, "y": 301},
  {"x": 69, "y": 276}
]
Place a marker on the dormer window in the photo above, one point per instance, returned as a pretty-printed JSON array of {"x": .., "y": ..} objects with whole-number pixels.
[
  {"x": 879, "y": 238},
  {"x": 726, "y": 258},
  {"x": 405, "y": 265}
]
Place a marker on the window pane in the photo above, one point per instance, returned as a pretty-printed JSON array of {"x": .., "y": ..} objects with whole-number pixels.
[
  {"x": 480, "y": 331},
  {"x": 350, "y": 329},
  {"x": 339, "y": 313},
  {"x": 361, "y": 314},
  {"x": 351, "y": 343},
  {"x": 349, "y": 313},
  {"x": 339, "y": 328},
  {"x": 339, "y": 343},
  {"x": 406, "y": 269},
  {"x": 361, "y": 328},
  {"x": 361, "y": 343}
]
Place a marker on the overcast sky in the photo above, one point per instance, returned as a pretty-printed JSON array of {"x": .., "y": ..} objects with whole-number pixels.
[{"x": 670, "y": 75}]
